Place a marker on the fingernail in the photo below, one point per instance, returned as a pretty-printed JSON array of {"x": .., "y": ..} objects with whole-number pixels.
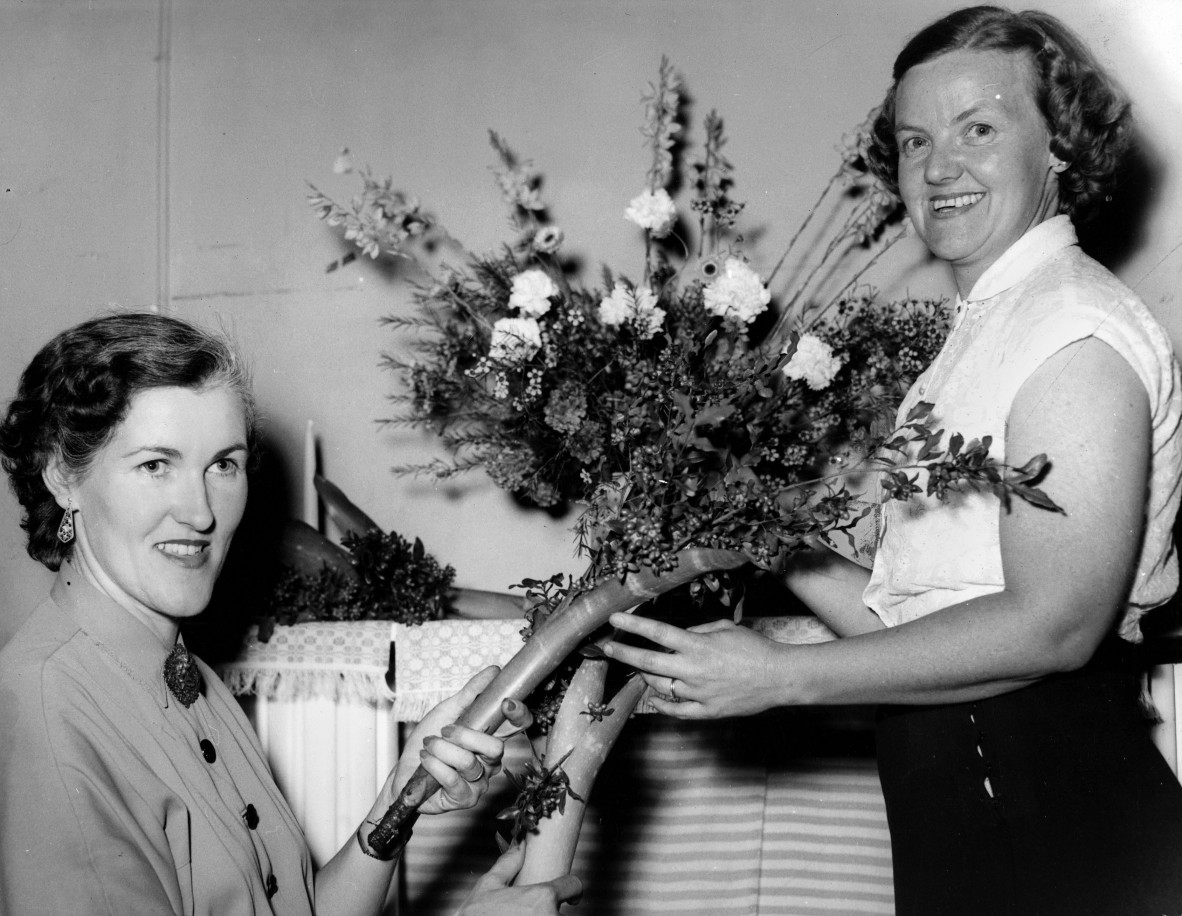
[
  {"x": 510, "y": 706},
  {"x": 609, "y": 649},
  {"x": 447, "y": 731}
]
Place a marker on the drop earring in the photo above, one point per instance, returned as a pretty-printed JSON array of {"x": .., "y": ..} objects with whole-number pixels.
[{"x": 65, "y": 531}]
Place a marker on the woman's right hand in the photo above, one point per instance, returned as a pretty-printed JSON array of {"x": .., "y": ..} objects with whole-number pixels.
[
  {"x": 461, "y": 759},
  {"x": 493, "y": 895}
]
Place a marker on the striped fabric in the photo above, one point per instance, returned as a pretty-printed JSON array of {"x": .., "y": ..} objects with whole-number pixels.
[
  {"x": 738, "y": 817},
  {"x": 826, "y": 849}
]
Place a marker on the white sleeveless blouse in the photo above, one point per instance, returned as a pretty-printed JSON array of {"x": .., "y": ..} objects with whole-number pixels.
[{"x": 1042, "y": 295}]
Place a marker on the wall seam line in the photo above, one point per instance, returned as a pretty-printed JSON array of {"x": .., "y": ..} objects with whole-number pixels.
[{"x": 163, "y": 298}]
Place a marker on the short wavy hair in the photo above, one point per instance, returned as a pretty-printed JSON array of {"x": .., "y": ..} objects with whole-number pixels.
[
  {"x": 1087, "y": 114},
  {"x": 78, "y": 389}
]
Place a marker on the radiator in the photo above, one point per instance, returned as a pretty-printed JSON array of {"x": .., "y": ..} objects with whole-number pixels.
[{"x": 330, "y": 757}]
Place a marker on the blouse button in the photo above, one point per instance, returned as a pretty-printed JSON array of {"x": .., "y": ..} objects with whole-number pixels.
[
  {"x": 207, "y": 750},
  {"x": 251, "y": 816},
  {"x": 272, "y": 886}
]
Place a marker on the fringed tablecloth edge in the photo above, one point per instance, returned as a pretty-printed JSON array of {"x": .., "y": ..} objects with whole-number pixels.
[
  {"x": 365, "y": 686},
  {"x": 328, "y": 660}
]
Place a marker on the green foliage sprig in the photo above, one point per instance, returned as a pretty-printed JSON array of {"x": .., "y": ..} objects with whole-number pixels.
[
  {"x": 391, "y": 578},
  {"x": 541, "y": 792}
]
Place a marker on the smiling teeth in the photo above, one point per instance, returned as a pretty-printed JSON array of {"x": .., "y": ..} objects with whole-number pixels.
[
  {"x": 955, "y": 202},
  {"x": 180, "y": 550}
]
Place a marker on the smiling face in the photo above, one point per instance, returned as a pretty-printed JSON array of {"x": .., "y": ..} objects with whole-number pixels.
[
  {"x": 158, "y": 507},
  {"x": 975, "y": 166}
]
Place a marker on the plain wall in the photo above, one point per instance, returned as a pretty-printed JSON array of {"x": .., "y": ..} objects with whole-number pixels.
[{"x": 157, "y": 154}]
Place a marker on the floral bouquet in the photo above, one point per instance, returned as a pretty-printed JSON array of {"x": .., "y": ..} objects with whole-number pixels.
[{"x": 708, "y": 420}]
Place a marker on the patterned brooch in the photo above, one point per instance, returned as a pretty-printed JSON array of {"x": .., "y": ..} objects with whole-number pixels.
[{"x": 182, "y": 675}]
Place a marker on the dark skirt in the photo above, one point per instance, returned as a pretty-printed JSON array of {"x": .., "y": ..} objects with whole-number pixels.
[{"x": 1048, "y": 800}]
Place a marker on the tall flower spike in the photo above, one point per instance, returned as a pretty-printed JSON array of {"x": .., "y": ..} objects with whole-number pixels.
[
  {"x": 854, "y": 145},
  {"x": 517, "y": 178},
  {"x": 711, "y": 186},
  {"x": 661, "y": 127}
]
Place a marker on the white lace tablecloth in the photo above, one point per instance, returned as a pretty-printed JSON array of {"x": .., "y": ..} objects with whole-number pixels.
[{"x": 434, "y": 660}]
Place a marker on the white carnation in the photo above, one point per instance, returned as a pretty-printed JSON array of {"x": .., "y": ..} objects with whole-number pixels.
[
  {"x": 737, "y": 293},
  {"x": 515, "y": 340},
  {"x": 531, "y": 293},
  {"x": 639, "y": 307},
  {"x": 615, "y": 309},
  {"x": 813, "y": 362},
  {"x": 652, "y": 210}
]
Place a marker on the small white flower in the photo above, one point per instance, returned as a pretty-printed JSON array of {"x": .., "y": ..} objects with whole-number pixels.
[
  {"x": 531, "y": 294},
  {"x": 652, "y": 210},
  {"x": 639, "y": 307},
  {"x": 813, "y": 362},
  {"x": 737, "y": 293},
  {"x": 649, "y": 318},
  {"x": 519, "y": 188},
  {"x": 343, "y": 164},
  {"x": 548, "y": 239},
  {"x": 515, "y": 340}
]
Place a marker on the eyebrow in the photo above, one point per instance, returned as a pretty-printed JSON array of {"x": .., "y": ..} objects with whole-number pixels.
[
  {"x": 971, "y": 112},
  {"x": 169, "y": 452}
]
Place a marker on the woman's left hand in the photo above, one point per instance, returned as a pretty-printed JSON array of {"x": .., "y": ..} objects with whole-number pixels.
[
  {"x": 711, "y": 671},
  {"x": 461, "y": 759}
]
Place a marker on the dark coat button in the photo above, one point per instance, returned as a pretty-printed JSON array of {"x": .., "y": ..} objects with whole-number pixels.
[
  {"x": 207, "y": 750},
  {"x": 251, "y": 816},
  {"x": 272, "y": 886}
]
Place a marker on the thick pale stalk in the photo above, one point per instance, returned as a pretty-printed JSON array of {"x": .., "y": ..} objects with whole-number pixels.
[
  {"x": 569, "y": 728},
  {"x": 585, "y": 743},
  {"x": 554, "y": 640}
]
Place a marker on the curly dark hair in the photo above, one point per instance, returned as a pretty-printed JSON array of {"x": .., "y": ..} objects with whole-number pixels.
[
  {"x": 77, "y": 390},
  {"x": 1087, "y": 114}
]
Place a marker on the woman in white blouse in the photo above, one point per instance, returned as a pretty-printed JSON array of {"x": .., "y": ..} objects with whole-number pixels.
[{"x": 1018, "y": 772}]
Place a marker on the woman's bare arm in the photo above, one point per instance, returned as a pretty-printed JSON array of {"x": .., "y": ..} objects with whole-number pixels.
[{"x": 831, "y": 587}]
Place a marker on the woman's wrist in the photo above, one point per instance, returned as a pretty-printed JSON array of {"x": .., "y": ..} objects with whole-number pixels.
[
  {"x": 786, "y": 673},
  {"x": 391, "y": 854}
]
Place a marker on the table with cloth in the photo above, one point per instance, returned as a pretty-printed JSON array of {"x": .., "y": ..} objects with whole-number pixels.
[{"x": 776, "y": 815}]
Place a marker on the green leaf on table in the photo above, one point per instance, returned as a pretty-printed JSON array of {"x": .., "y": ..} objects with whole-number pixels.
[{"x": 344, "y": 513}]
